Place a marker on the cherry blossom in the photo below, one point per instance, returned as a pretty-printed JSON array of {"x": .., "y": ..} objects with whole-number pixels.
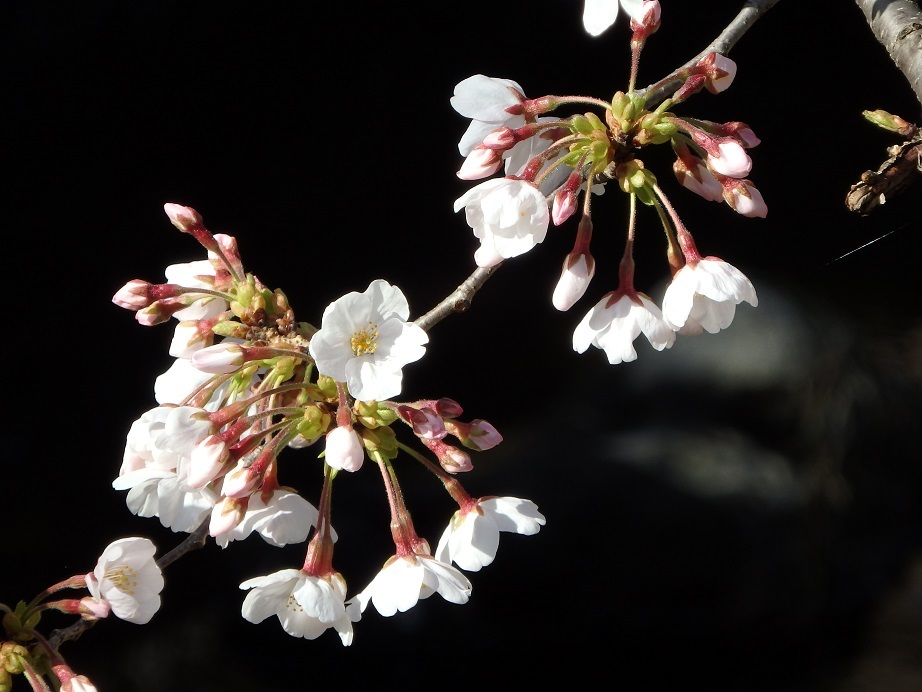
[
  {"x": 598, "y": 15},
  {"x": 404, "y": 580},
  {"x": 704, "y": 294},
  {"x": 365, "y": 340},
  {"x": 306, "y": 605},
  {"x": 128, "y": 579},
  {"x": 344, "y": 450},
  {"x": 615, "y": 321},
  {"x": 485, "y": 100},
  {"x": 508, "y": 215},
  {"x": 472, "y": 536}
]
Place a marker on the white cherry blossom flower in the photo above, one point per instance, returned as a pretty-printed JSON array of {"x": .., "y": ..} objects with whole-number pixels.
[
  {"x": 306, "y": 605},
  {"x": 197, "y": 274},
  {"x": 598, "y": 15},
  {"x": 574, "y": 280},
  {"x": 731, "y": 159},
  {"x": 281, "y": 517},
  {"x": 472, "y": 536},
  {"x": 365, "y": 340},
  {"x": 344, "y": 450},
  {"x": 128, "y": 579},
  {"x": 485, "y": 100},
  {"x": 508, "y": 215},
  {"x": 405, "y": 580},
  {"x": 703, "y": 296},
  {"x": 615, "y": 321}
]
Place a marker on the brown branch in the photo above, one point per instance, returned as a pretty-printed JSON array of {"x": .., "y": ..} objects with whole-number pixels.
[
  {"x": 751, "y": 11},
  {"x": 895, "y": 174},
  {"x": 459, "y": 300},
  {"x": 897, "y": 25}
]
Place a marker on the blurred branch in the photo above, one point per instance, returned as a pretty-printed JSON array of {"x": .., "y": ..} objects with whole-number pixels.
[
  {"x": 897, "y": 24},
  {"x": 751, "y": 11}
]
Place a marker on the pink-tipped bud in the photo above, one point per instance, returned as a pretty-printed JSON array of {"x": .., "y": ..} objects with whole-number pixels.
[
  {"x": 730, "y": 159},
  {"x": 448, "y": 408},
  {"x": 745, "y": 199},
  {"x": 741, "y": 132},
  {"x": 219, "y": 359},
  {"x": 648, "y": 22},
  {"x": 480, "y": 163},
  {"x": 426, "y": 422},
  {"x": 71, "y": 682},
  {"x": 578, "y": 270},
  {"x": 450, "y": 457},
  {"x": 241, "y": 481},
  {"x": 134, "y": 295},
  {"x": 344, "y": 450},
  {"x": 698, "y": 179},
  {"x": 159, "y": 311},
  {"x": 91, "y": 609},
  {"x": 565, "y": 205},
  {"x": 227, "y": 515},
  {"x": 206, "y": 461},
  {"x": 719, "y": 71},
  {"x": 186, "y": 219},
  {"x": 501, "y": 139},
  {"x": 478, "y": 434}
]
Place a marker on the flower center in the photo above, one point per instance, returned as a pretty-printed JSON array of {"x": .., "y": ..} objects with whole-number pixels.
[
  {"x": 293, "y": 604},
  {"x": 365, "y": 340},
  {"x": 123, "y": 578}
]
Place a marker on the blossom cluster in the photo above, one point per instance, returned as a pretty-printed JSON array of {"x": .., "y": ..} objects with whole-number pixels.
[
  {"x": 249, "y": 381},
  {"x": 548, "y": 161}
]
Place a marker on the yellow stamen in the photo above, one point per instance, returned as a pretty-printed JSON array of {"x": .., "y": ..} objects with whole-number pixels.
[
  {"x": 365, "y": 340},
  {"x": 123, "y": 578}
]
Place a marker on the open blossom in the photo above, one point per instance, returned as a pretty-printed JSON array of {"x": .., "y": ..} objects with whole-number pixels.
[
  {"x": 472, "y": 536},
  {"x": 280, "y": 517},
  {"x": 703, "y": 296},
  {"x": 508, "y": 215},
  {"x": 403, "y": 581},
  {"x": 365, "y": 340},
  {"x": 615, "y": 321},
  {"x": 306, "y": 605},
  {"x": 128, "y": 579},
  {"x": 598, "y": 15},
  {"x": 485, "y": 100}
]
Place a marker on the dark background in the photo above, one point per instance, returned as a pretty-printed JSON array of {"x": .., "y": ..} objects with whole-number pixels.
[{"x": 741, "y": 512}]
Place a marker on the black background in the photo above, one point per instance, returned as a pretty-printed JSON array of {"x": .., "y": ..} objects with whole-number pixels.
[{"x": 741, "y": 512}]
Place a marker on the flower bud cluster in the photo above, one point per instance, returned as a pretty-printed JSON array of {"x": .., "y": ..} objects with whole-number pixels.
[{"x": 248, "y": 382}]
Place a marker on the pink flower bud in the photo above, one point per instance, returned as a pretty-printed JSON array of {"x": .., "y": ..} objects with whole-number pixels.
[
  {"x": 698, "y": 179},
  {"x": 344, "y": 449},
  {"x": 719, "y": 70},
  {"x": 241, "y": 482},
  {"x": 501, "y": 139},
  {"x": 184, "y": 218},
  {"x": 744, "y": 198},
  {"x": 577, "y": 272},
  {"x": 565, "y": 205},
  {"x": 219, "y": 359},
  {"x": 426, "y": 422},
  {"x": 732, "y": 160},
  {"x": 480, "y": 163},
  {"x": 91, "y": 609},
  {"x": 448, "y": 408},
  {"x": 206, "y": 461},
  {"x": 134, "y": 295},
  {"x": 227, "y": 515}
]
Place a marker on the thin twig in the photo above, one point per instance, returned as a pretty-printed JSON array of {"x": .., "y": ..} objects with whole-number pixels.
[
  {"x": 459, "y": 300},
  {"x": 751, "y": 11}
]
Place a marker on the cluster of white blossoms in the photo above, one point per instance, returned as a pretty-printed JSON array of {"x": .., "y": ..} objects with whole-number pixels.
[
  {"x": 248, "y": 382},
  {"x": 549, "y": 161}
]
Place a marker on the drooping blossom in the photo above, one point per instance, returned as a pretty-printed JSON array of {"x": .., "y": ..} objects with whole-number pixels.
[
  {"x": 472, "y": 536},
  {"x": 306, "y": 605},
  {"x": 616, "y": 320},
  {"x": 344, "y": 450},
  {"x": 703, "y": 296},
  {"x": 365, "y": 340},
  {"x": 485, "y": 101},
  {"x": 574, "y": 279},
  {"x": 598, "y": 15},
  {"x": 280, "y": 517},
  {"x": 128, "y": 579},
  {"x": 508, "y": 215},
  {"x": 404, "y": 580}
]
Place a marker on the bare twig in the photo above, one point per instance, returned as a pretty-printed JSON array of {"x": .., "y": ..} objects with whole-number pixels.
[
  {"x": 751, "y": 11},
  {"x": 897, "y": 25},
  {"x": 459, "y": 300},
  {"x": 895, "y": 174}
]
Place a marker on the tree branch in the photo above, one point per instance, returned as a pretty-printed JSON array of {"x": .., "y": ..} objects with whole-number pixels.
[
  {"x": 459, "y": 300},
  {"x": 751, "y": 11},
  {"x": 897, "y": 24}
]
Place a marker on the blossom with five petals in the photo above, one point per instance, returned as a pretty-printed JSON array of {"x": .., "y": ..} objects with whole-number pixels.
[
  {"x": 704, "y": 294},
  {"x": 485, "y": 101},
  {"x": 508, "y": 215},
  {"x": 472, "y": 536},
  {"x": 306, "y": 605},
  {"x": 406, "y": 579},
  {"x": 615, "y": 321},
  {"x": 128, "y": 579},
  {"x": 365, "y": 340}
]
